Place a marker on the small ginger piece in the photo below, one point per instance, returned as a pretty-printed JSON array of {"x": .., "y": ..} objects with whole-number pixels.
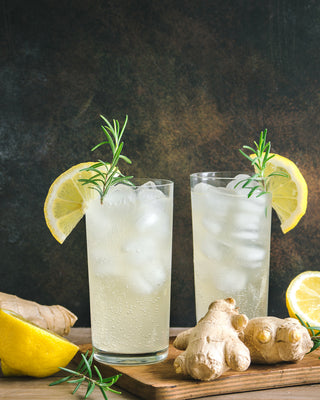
[
  {"x": 55, "y": 318},
  {"x": 271, "y": 340},
  {"x": 213, "y": 345}
]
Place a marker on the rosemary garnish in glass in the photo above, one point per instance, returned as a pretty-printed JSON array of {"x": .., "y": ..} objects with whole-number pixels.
[
  {"x": 259, "y": 158},
  {"x": 106, "y": 174},
  {"x": 83, "y": 374}
]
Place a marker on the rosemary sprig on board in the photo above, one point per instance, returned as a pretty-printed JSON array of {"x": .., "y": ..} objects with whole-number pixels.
[{"x": 83, "y": 374}]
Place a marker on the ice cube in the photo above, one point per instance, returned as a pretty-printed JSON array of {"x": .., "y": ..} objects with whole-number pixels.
[
  {"x": 252, "y": 256},
  {"x": 212, "y": 224},
  {"x": 139, "y": 250},
  {"x": 230, "y": 279},
  {"x": 148, "y": 192},
  {"x": 214, "y": 249},
  {"x": 98, "y": 222},
  {"x": 152, "y": 219},
  {"x": 249, "y": 221},
  {"x": 246, "y": 234},
  {"x": 237, "y": 186},
  {"x": 236, "y": 183},
  {"x": 201, "y": 187},
  {"x": 149, "y": 278},
  {"x": 120, "y": 194},
  {"x": 211, "y": 198}
]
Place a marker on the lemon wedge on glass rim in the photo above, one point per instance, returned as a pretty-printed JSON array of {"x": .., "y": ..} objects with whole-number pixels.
[
  {"x": 303, "y": 297},
  {"x": 67, "y": 200},
  {"x": 26, "y": 349},
  {"x": 289, "y": 194}
]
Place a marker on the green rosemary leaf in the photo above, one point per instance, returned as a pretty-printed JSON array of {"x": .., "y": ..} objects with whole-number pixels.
[
  {"x": 253, "y": 190},
  {"x": 279, "y": 173},
  {"x": 100, "y": 144},
  {"x": 266, "y": 155},
  {"x": 270, "y": 157},
  {"x": 260, "y": 163},
  {"x": 65, "y": 379},
  {"x": 87, "y": 365},
  {"x": 245, "y": 155},
  {"x": 77, "y": 380},
  {"x": 77, "y": 387},
  {"x": 81, "y": 363},
  {"x": 90, "y": 389},
  {"x": 250, "y": 148},
  {"x": 103, "y": 393},
  {"x": 111, "y": 379},
  {"x": 98, "y": 373},
  {"x": 123, "y": 127},
  {"x": 109, "y": 141},
  {"x": 114, "y": 135},
  {"x": 314, "y": 334},
  {"x": 123, "y": 179},
  {"x": 69, "y": 370},
  {"x": 83, "y": 373},
  {"x": 126, "y": 159}
]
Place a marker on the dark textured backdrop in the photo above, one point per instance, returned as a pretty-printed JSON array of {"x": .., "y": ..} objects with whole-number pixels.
[{"x": 198, "y": 80}]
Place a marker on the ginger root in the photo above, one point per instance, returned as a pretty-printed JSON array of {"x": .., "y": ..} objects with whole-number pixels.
[
  {"x": 213, "y": 345},
  {"x": 271, "y": 340},
  {"x": 55, "y": 318}
]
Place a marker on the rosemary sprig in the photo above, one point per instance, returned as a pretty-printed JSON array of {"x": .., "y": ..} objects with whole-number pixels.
[
  {"x": 261, "y": 155},
  {"x": 109, "y": 175},
  {"x": 315, "y": 333},
  {"x": 83, "y": 374}
]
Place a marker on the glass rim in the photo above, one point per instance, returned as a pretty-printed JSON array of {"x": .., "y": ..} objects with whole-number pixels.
[
  {"x": 221, "y": 174},
  {"x": 157, "y": 181}
]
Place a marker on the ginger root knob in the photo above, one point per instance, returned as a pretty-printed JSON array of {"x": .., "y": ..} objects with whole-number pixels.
[
  {"x": 213, "y": 345},
  {"x": 55, "y": 318}
]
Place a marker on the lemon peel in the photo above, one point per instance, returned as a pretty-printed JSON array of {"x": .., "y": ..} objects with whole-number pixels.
[
  {"x": 303, "y": 297},
  {"x": 26, "y": 349}
]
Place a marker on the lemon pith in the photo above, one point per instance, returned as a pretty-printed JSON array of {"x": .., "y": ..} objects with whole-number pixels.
[
  {"x": 303, "y": 297},
  {"x": 26, "y": 349}
]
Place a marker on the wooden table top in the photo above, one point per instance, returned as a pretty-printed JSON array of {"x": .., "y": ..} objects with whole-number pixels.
[{"x": 38, "y": 389}]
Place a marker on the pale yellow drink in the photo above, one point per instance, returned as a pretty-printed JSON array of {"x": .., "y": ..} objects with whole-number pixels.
[
  {"x": 129, "y": 240},
  {"x": 231, "y": 243}
]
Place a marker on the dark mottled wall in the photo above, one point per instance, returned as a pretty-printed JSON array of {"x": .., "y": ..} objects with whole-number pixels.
[{"x": 198, "y": 80}]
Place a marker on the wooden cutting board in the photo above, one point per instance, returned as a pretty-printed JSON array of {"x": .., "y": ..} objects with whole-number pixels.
[{"x": 160, "y": 382}]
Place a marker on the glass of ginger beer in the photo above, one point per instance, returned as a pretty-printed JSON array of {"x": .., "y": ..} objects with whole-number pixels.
[
  {"x": 231, "y": 242},
  {"x": 129, "y": 245}
]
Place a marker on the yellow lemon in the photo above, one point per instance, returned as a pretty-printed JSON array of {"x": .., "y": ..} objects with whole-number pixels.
[
  {"x": 289, "y": 194},
  {"x": 303, "y": 297},
  {"x": 26, "y": 349},
  {"x": 67, "y": 199}
]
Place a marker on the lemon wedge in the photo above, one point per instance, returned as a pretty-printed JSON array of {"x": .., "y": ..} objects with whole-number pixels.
[
  {"x": 289, "y": 194},
  {"x": 67, "y": 199},
  {"x": 303, "y": 297},
  {"x": 26, "y": 349}
]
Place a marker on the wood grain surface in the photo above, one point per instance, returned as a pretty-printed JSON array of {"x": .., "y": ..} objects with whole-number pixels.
[{"x": 160, "y": 382}]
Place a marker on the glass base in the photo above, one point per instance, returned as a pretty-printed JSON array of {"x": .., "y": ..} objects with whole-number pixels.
[{"x": 129, "y": 359}]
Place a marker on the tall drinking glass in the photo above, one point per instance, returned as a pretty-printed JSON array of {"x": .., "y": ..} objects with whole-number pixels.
[
  {"x": 231, "y": 242},
  {"x": 129, "y": 241}
]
